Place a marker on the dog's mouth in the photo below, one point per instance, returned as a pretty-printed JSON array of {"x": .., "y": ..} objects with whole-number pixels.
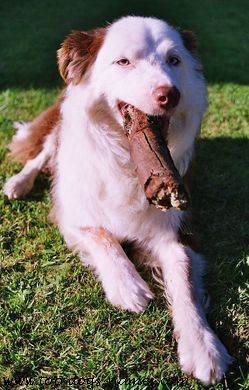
[{"x": 163, "y": 116}]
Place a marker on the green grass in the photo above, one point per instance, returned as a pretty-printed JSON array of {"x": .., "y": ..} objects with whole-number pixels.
[{"x": 54, "y": 320}]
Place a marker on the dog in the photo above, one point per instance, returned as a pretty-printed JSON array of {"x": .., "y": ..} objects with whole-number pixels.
[{"x": 98, "y": 203}]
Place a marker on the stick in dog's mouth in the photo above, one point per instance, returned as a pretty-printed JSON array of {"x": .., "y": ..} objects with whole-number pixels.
[{"x": 162, "y": 184}]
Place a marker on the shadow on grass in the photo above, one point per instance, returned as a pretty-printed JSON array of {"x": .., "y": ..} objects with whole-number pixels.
[
  {"x": 32, "y": 31},
  {"x": 42, "y": 182},
  {"x": 221, "y": 219}
]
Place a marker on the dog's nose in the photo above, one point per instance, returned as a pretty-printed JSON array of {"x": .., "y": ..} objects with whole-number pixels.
[{"x": 167, "y": 97}]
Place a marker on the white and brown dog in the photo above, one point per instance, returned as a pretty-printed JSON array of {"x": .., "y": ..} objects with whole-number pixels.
[{"x": 98, "y": 202}]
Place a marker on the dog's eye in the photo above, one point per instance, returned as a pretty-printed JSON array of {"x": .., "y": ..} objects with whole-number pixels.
[
  {"x": 123, "y": 62},
  {"x": 173, "y": 61}
]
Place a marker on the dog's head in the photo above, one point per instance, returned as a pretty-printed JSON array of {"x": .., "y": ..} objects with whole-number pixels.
[{"x": 140, "y": 61}]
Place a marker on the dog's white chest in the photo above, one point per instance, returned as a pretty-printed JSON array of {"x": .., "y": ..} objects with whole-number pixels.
[{"x": 95, "y": 187}]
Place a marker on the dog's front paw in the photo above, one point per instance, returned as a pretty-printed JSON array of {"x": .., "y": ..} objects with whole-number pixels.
[
  {"x": 128, "y": 291},
  {"x": 203, "y": 356},
  {"x": 18, "y": 186}
]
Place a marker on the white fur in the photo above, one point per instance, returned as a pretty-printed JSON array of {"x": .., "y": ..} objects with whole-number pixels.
[
  {"x": 97, "y": 197},
  {"x": 22, "y": 130}
]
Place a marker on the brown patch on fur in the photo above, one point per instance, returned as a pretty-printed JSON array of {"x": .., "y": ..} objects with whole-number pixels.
[
  {"x": 189, "y": 41},
  {"x": 78, "y": 52},
  {"x": 101, "y": 235},
  {"x": 22, "y": 150}
]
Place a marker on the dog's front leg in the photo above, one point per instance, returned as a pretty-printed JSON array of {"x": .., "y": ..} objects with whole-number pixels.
[
  {"x": 200, "y": 351},
  {"x": 122, "y": 284}
]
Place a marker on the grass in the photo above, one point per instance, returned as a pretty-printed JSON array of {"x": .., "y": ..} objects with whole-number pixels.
[{"x": 54, "y": 320}]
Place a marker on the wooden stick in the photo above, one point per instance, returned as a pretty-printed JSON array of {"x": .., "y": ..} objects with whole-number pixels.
[{"x": 155, "y": 168}]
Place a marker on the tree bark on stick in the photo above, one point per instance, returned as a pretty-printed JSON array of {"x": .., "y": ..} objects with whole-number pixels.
[{"x": 162, "y": 184}]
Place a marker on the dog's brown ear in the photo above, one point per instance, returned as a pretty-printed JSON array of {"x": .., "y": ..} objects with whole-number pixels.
[
  {"x": 189, "y": 41},
  {"x": 78, "y": 52}
]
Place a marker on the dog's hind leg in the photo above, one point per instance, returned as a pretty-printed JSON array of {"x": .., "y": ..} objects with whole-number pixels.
[
  {"x": 33, "y": 145},
  {"x": 20, "y": 185}
]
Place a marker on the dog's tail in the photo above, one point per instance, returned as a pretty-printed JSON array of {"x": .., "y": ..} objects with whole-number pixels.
[{"x": 28, "y": 141}]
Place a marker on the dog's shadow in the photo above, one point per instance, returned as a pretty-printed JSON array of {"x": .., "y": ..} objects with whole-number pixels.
[
  {"x": 42, "y": 185},
  {"x": 221, "y": 220}
]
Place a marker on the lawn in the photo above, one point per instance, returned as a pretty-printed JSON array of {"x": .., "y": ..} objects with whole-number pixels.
[{"x": 54, "y": 320}]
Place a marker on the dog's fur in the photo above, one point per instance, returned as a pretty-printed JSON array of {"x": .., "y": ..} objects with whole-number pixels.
[{"x": 98, "y": 202}]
